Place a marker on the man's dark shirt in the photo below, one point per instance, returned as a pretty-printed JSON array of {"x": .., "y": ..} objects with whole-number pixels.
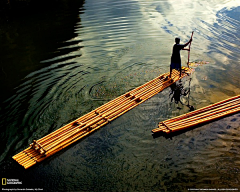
[{"x": 176, "y": 58}]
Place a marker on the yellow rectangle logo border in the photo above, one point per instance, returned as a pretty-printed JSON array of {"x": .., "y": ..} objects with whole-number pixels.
[{"x": 4, "y": 181}]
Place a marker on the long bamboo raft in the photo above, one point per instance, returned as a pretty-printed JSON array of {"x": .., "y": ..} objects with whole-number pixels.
[
  {"x": 81, "y": 127},
  {"x": 200, "y": 116}
]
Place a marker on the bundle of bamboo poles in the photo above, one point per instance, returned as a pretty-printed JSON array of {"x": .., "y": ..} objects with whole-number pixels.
[
  {"x": 70, "y": 133},
  {"x": 203, "y": 115}
]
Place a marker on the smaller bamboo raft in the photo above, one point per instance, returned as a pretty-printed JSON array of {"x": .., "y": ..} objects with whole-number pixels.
[
  {"x": 200, "y": 116},
  {"x": 81, "y": 127}
]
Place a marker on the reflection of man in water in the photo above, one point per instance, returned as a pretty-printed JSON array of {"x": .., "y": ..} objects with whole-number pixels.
[
  {"x": 176, "y": 58},
  {"x": 177, "y": 91}
]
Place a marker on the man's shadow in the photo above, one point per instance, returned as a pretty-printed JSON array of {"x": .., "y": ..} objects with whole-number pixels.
[{"x": 178, "y": 91}]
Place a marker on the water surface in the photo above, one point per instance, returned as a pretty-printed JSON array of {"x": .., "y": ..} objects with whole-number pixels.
[{"x": 57, "y": 66}]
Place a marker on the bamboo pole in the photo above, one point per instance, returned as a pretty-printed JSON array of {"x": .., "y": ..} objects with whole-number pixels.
[
  {"x": 220, "y": 112},
  {"x": 143, "y": 99},
  {"x": 52, "y": 139},
  {"x": 189, "y": 50},
  {"x": 71, "y": 140},
  {"x": 126, "y": 103},
  {"x": 88, "y": 115},
  {"x": 30, "y": 162},
  {"x": 59, "y": 130},
  {"x": 70, "y": 134},
  {"x": 64, "y": 131},
  {"x": 18, "y": 156},
  {"x": 64, "y": 143},
  {"x": 60, "y": 140},
  {"x": 139, "y": 88},
  {"x": 201, "y": 115},
  {"x": 21, "y": 156},
  {"x": 189, "y": 117},
  {"x": 222, "y": 109},
  {"x": 20, "y": 153},
  {"x": 133, "y": 94},
  {"x": 202, "y": 109},
  {"x": 24, "y": 159},
  {"x": 207, "y": 119},
  {"x": 125, "y": 109},
  {"x": 130, "y": 92},
  {"x": 177, "y": 122}
]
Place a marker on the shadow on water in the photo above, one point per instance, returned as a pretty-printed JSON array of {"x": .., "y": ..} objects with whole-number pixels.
[
  {"x": 26, "y": 40},
  {"x": 29, "y": 35},
  {"x": 178, "y": 91}
]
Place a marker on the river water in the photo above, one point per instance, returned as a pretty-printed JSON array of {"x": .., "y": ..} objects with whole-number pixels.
[{"x": 57, "y": 65}]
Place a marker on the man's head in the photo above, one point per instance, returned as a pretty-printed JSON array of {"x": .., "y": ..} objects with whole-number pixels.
[{"x": 177, "y": 40}]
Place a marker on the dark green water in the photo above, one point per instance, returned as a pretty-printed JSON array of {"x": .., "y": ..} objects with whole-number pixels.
[{"x": 59, "y": 64}]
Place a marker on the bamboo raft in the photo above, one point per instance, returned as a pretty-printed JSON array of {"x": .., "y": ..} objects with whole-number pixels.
[
  {"x": 200, "y": 116},
  {"x": 81, "y": 127}
]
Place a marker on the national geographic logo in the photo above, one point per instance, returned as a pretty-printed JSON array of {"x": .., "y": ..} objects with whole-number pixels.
[{"x": 6, "y": 181}]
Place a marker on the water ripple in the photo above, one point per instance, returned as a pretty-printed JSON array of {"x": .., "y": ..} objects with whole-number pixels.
[{"x": 117, "y": 46}]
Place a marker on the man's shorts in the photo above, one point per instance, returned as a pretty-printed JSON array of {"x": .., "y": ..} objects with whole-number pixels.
[{"x": 175, "y": 65}]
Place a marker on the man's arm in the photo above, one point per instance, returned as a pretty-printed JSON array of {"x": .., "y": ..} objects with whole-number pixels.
[{"x": 186, "y": 44}]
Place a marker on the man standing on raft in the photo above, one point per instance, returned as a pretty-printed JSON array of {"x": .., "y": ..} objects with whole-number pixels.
[{"x": 176, "y": 58}]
